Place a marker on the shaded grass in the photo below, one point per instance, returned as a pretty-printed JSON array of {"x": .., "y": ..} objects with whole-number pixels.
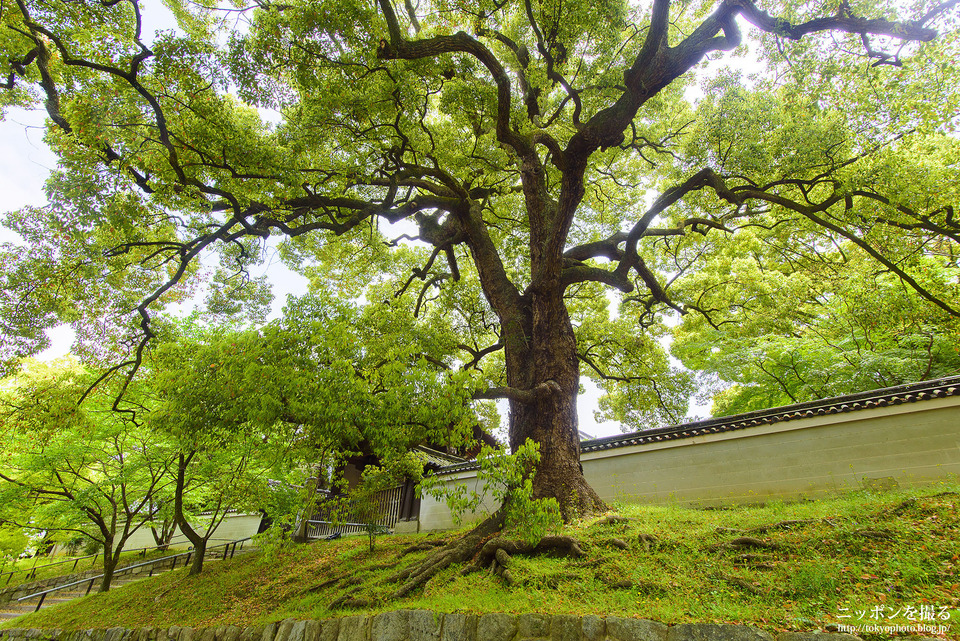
[{"x": 825, "y": 562}]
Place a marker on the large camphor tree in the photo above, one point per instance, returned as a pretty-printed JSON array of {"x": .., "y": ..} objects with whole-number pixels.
[{"x": 547, "y": 155}]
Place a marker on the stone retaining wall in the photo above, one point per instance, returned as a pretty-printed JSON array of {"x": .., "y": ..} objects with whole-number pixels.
[{"x": 423, "y": 625}]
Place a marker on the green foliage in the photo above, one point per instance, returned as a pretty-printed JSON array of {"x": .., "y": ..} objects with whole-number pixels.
[
  {"x": 469, "y": 186},
  {"x": 71, "y": 469},
  {"x": 12, "y": 543},
  {"x": 503, "y": 480},
  {"x": 274, "y": 541},
  {"x": 823, "y": 329}
]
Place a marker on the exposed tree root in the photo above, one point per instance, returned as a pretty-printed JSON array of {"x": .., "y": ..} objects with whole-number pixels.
[
  {"x": 742, "y": 542},
  {"x": 325, "y": 584},
  {"x": 740, "y": 583},
  {"x": 939, "y": 494},
  {"x": 729, "y": 530},
  {"x": 622, "y": 584},
  {"x": 459, "y": 551},
  {"x": 761, "y": 529},
  {"x": 648, "y": 541},
  {"x": 496, "y": 553},
  {"x": 782, "y": 525},
  {"x": 612, "y": 519},
  {"x": 558, "y": 545},
  {"x": 348, "y": 601},
  {"x": 486, "y": 549},
  {"x": 421, "y": 547}
]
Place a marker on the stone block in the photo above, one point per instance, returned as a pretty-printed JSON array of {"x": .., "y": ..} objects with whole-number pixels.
[
  {"x": 283, "y": 630},
  {"x": 297, "y": 631},
  {"x": 565, "y": 627},
  {"x": 496, "y": 627},
  {"x": 716, "y": 632},
  {"x": 118, "y": 634},
  {"x": 330, "y": 630},
  {"x": 311, "y": 630},
  {"x": 354, "y": 628},
  {"x": 390, "y": 626},
  {"x": 187, "y": 634},
  {"x": 621, "y": 629},
  {"x": 424, "y": 625},
  {"x": 593, "y": 627},
  {"x": 533, "y": 626},
  {"x": 230, "y": 633},
  {"x": 269, "y": 632},
  {"x": 210, "y": 634},
  {"x": 459, "y": 627},
  {"x": 253, "y": 633}
]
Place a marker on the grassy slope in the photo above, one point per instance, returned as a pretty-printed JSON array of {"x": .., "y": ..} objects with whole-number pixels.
[{"x": 842, "y": 556}]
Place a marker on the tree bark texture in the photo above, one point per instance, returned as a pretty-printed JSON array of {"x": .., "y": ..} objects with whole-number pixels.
[
  {"x": 199, "y": 542},
  {"x": 547, "y": 354},
  {"x": 109, "y": 565}
]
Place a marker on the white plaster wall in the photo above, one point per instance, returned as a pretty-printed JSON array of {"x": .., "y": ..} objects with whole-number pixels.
[
  {"x": 232, "y": 528},
  {"x": 910, "y": 444},
  {"x": 435, "y": 515}
]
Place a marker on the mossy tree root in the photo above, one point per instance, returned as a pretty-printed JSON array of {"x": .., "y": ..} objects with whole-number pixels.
[{"x": 485, "y": 548}]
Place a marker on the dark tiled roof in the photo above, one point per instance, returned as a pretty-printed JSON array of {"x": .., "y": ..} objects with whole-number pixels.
[
  {"x": 910, "y": 393},
  {"x": 437, "y": 458}
]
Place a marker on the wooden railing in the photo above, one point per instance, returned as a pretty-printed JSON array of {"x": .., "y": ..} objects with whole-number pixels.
[{"x": 335, "y": 514}]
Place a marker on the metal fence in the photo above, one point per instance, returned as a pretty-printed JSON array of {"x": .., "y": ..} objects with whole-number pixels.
[
  {"x": 229, "y": 549},
  {"x": 337, "y": 514}
]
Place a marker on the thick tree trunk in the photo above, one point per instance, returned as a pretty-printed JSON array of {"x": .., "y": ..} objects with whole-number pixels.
[{"x": 548, "y": 354}]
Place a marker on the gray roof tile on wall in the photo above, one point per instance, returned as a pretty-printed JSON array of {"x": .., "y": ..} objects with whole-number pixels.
[{"x": 909, "y": 393}]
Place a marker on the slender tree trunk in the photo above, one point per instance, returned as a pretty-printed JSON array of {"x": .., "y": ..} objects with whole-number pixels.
[
  {"x": 309, "y": 507},
  {"x": 109, "y": 565},
  {"x": 199, "y": 552},
  {"x": 163, "y": 537},
  {"x": 199, "y": 542}
]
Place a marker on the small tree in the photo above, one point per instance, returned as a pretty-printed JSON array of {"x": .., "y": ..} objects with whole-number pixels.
[
  {"x": 76, "y": 469},
  {"x": 827, "y": 328},
  {"x": 243, "y": 404},
  {"x": 507, "y": 482}
]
